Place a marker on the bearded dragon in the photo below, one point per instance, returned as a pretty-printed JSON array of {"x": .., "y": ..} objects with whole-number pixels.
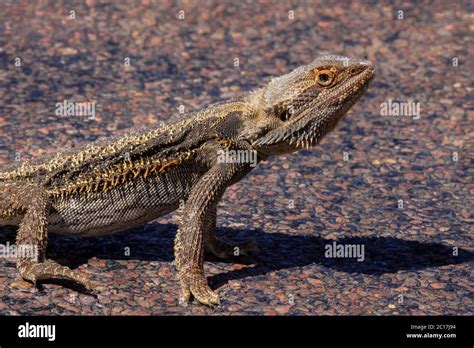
[{"x": 116, "y": 184}]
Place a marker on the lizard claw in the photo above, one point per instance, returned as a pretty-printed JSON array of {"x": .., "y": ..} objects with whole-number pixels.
[{"x": 195, "y": 284}]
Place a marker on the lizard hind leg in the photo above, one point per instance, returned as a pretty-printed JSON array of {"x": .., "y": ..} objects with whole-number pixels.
[
  {"x": 222, "y": 249},
  {"x": 32, "y": 203}
]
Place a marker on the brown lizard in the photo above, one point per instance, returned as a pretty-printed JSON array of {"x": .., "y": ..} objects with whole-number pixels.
[{"x": 116, "y": 184}]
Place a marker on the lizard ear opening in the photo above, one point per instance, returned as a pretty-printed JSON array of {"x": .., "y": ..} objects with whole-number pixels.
[{"x": 283, "y": 112}]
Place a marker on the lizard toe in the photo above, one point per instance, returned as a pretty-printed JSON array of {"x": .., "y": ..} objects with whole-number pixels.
[
  {"x": 50, "y": 270},
  {"x": 206, "y": 296},
  {"x": 195, "y": 285}
]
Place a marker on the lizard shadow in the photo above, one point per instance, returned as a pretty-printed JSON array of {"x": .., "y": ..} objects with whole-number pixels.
[
  {"x": 278, "y": 251},
  {"x": 382, "y": 255}
]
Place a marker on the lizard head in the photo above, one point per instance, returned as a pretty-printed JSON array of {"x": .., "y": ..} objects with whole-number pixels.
[{"x": 307, "y": 103}]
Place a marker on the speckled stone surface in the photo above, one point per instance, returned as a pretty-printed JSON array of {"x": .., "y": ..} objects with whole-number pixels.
[{"x": 401, "y": 186}]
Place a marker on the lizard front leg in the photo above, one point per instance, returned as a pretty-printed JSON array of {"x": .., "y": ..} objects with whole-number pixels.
[
  {"x": 198, "y": 217},
  {"x": 31, "y": 203}
]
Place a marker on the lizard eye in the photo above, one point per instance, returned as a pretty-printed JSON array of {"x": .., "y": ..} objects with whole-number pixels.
[{"x": 324, "y": 77}]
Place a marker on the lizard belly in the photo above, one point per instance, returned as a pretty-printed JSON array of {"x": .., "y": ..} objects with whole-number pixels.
[{"x": 126, "y": 206}]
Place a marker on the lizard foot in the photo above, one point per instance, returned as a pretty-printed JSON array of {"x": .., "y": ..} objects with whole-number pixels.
[
  {"x": 47, "y": 270},
  {"x": 195, "y": 284},
  {"x": 223, "y": 250}
]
